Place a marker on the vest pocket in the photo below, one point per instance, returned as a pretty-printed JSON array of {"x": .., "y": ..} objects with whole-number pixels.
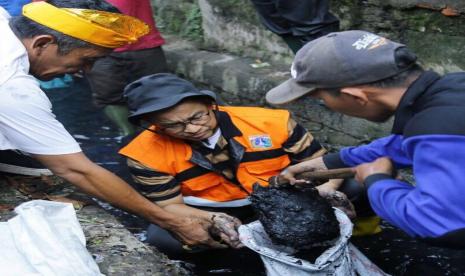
[
  {"x": 260, "y": 171},
  {"x": 202, "y": 182},
  {"x": 267, "y": 165}
]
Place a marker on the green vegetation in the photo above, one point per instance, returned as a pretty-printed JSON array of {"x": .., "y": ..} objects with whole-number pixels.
[
  {"x": 193, "y": 24},
  {"x": 242, "y": 10},
  {"x": 181, "y": 18}
]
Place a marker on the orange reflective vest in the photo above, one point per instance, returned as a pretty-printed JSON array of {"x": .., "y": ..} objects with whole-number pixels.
[{"x": 257, "y": 154}]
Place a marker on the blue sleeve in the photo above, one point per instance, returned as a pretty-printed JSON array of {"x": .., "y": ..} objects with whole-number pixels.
[
  {"x": 435, "y": 204},
  {"x": 390, "y": 146}
]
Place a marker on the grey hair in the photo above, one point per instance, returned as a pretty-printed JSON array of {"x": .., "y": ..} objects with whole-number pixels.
[{"x": 24, "y": 27}]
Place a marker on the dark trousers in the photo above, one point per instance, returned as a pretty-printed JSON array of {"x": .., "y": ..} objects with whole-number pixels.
[
  {"x": 297, "y": 22},
  {"x": 358, "y": 196},
  {"x": 111, "y": 74}
]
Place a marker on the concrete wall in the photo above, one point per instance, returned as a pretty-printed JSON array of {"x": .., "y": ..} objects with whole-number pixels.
[
  {"x": 232, "y": 38},
  {"x": 233, "y": 26}
]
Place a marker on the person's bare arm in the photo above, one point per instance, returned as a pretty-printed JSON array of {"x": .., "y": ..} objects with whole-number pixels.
[{"x": 99, "y": 182}]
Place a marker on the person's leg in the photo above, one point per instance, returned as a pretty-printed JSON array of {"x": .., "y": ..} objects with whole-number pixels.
[
  {"x": 118, "y": 114},
  {"x": 297, "y": 22},
  {"x": 453, "y": 239},
  {"x": 107, "y": 80},
  {"x": 293, "y": 42},
  {"x": 15, "y": 162},
  {"x": 111, "y": 74},
  {"x": 145, "y": 62}
]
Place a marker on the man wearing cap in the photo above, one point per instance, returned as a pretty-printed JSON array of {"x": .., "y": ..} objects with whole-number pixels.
[
  {"x": 197, "y": 159},
  {"x": 364, "y": 75},
  {"x": 48, "y": 40}
]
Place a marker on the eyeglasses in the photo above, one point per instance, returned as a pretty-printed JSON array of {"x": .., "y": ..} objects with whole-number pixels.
[{"x": 198, "y": 119}]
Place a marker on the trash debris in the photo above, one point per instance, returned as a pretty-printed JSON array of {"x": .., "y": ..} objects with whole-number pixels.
[
  {"x": 445, "y": 10},
  {"x": 52, "y": 188},
  {"x": 6, "y": 207},
  {"x": 78, "y": 203},
  {"x": 449, "y": 11},
  {"x": 259, "y": 64}
]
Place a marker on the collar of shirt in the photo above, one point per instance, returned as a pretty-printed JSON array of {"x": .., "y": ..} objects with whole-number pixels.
[
  {"x": 228, "y": 129},
  {"x": 212, "y": 140},
  {"x": 409, "y": 101}
]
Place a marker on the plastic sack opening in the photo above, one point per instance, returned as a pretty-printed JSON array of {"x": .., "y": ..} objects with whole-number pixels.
[{"x": 278, "y": 260}]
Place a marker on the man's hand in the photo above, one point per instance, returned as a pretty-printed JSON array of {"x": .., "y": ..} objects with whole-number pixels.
[
  {"x": 380, "y": 165},
  {"x": 329, "y": 187},
  {"x": 336, "y": 198},
  {"x": 225, "y": 227},
  {"x": 307, "y": 166},
  {"x": 193, "y": 231},
  {"x": 202, "y": 228}
]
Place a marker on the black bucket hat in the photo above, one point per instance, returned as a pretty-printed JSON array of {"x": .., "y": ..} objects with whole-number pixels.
[{"x": 157, "y": 92}]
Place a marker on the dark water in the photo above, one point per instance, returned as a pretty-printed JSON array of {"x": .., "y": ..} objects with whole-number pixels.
[{"x": 391, "y": 250}]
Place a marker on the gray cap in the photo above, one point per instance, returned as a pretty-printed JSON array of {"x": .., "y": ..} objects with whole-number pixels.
[
  {"x": 338, "y": 60},
  {"x": 157, "y": 92}
]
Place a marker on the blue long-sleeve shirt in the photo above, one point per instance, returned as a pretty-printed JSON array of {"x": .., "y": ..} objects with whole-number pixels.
[{"x": 429, "y": 135}]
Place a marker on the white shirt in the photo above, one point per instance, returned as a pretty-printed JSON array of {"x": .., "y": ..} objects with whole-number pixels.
[
  {"x": 26, "y": 119},
  {"x": 212, "y": 140}
]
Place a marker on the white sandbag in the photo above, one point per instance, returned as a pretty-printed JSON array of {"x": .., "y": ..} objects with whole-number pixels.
[
  {"x": 278, "y": 260},
  {"x": 45, "y": 238}
]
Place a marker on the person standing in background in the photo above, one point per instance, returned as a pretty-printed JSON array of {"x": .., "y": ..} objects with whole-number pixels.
[
  {"x": 297, "y": 22},
  {"x": 111, "y": 74}
]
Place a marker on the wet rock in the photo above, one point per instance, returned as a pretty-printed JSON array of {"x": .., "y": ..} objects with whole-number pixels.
[{"x": 300, "y": 219}]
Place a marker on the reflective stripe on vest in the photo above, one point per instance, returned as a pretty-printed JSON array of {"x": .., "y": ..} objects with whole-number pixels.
[{"x": 198, "y": 201}]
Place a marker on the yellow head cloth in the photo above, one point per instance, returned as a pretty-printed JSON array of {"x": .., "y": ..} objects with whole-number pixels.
[{"x": 107, "y": 29}]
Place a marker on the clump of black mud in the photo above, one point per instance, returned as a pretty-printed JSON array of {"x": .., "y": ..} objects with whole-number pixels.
[{"x": 297, "y": 218}]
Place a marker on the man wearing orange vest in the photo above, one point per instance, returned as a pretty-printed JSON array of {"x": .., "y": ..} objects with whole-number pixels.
[{"x": 198, "y": 159}]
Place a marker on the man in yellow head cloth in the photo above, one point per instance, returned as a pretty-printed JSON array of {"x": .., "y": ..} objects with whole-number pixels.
[{"x": 48, "y": 40}]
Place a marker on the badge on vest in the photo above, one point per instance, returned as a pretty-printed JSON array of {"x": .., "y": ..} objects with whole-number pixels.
[{"x": 261, "y": 141}]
